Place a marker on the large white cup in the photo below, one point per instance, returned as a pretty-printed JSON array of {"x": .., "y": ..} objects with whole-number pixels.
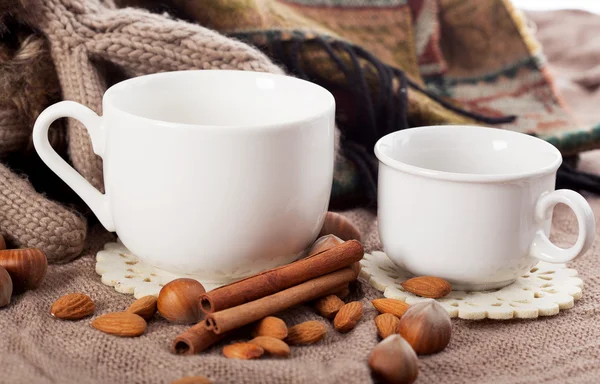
[
  {"x": 472, "y": 205},
  {"x": 220, "y": 174}
]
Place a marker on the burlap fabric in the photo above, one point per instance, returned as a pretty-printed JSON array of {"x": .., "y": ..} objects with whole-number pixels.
[{"x": 35, "y": 348}]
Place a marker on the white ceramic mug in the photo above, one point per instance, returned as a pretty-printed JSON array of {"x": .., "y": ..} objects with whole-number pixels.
[
  {"x": 219, "y": 174},
  {"x": 472, "y": 205}
]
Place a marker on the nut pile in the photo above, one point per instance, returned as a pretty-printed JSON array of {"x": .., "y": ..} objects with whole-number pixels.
[
  {"x": 407, "y": 331},
  {"x": 273, "y": 337},
  {"x": 132, "y": 322},
  {"x": 177, "y": 302},
  {"x": 269, "y": 335}
]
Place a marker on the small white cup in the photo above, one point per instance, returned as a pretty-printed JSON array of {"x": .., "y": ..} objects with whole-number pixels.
[
  {"x": 472, "y": 205},
  {"x": 219, "y": 174}
]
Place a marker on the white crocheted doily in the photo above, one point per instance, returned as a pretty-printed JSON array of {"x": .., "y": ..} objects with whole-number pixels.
[
  {"x": 127, "y": 273},
  {"x": 544, "y": 291}
]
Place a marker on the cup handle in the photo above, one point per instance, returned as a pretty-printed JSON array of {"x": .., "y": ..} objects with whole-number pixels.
[
  {"x": 97, "y": 202},
  {"x": 542, "y": 248}
]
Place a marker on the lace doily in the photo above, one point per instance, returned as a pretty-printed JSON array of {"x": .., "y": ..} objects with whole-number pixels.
[
  {"x": 544, "y": 291},
  {"x": 127, "y": 273}
]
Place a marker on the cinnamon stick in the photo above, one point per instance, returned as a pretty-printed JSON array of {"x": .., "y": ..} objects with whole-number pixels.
[
  {"x": 342, "y": 291},
  {"x": 236, "y": 317},
  {"x": 277, "y": 279},
  {"x": 195, "y": 340}
]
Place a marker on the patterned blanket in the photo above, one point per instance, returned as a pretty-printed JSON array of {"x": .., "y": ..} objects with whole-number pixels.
[{"x": 393, "y": 64}]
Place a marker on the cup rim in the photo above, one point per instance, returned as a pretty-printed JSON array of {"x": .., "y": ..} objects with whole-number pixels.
[
  {"x": 467, "y": 177},
  {"x": 327, "y": 107}
]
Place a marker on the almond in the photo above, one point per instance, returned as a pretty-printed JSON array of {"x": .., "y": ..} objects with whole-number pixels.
[
  {"x": 272, "y": 346},
  {"x": 428, "y": 286},
  {"x": 73, "y": 306},
  {"x": 123, "y": 324},
  {"x": 244, "y": 351},
  {"x": 329, "y": 306},
  {"x": 271, "y": 326},
  {"x": 387, "y": 324},
  {"x": 144, "y": 307},
  {"x": 306, "y": 333},
  {"x": 192, "y": 380},
  {"x": 348, "y": 316},
  {"x": 393, "y": 306}
]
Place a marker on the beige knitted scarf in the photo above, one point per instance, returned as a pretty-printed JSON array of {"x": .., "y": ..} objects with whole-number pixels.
[{"x": 84, "y": 37}]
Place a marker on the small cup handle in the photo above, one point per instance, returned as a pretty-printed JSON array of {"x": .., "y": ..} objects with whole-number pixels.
[
  {"x": 542, "y": 248},
  {"x": 97, "y": 202}
]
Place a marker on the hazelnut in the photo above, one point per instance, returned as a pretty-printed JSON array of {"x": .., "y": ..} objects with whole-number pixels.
[
  {"x": 26, "y": 267},
  {"x": 324, "y": 243},
  {"x": 426, "y": 327},
  {"x": 6, "y": 287},
  {"x": 340, "y": 226},
  {"x": 393, "y": 361},
  {"x": 179, "y": 301}
]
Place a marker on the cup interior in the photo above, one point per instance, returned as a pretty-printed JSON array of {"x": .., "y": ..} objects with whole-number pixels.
[
  {"x": 468, "y": 151},
  {"x": 223, "y": 98}
]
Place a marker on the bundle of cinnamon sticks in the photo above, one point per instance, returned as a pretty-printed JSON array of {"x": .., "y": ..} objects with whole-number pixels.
[{"x": 246, "y": 301}]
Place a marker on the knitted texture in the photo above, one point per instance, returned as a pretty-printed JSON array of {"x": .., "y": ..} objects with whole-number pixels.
[
  {"x": 30, "y": 220},
  {"x": 28, "y": 83}
]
